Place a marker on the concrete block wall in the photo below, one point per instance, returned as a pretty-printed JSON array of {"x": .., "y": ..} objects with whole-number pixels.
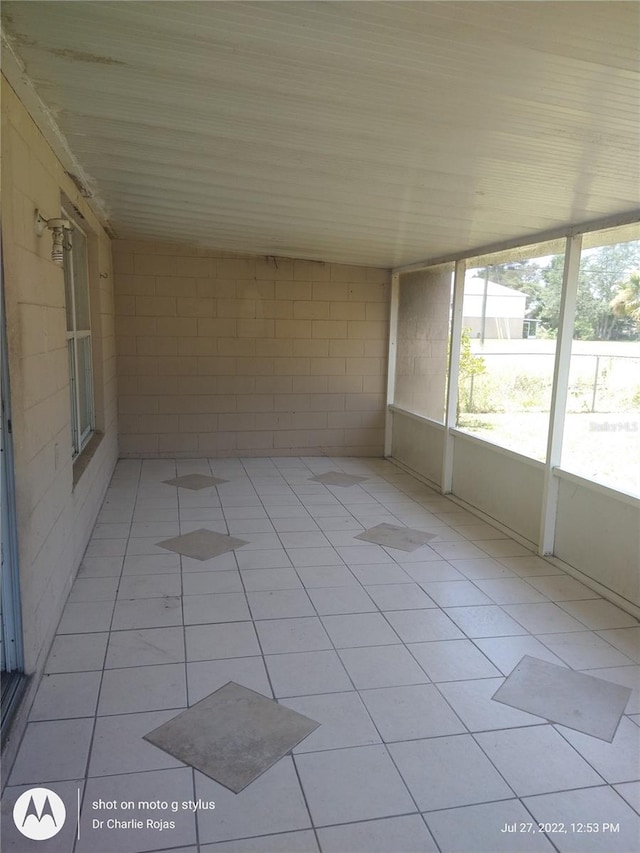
[
  {"x": 423, "y": 339},
  {"x": 55, "y": 516},
  {"x": 222, "y": 354}
]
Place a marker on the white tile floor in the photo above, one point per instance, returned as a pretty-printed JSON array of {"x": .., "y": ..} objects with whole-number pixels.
[{"x": 396, "y": 654}]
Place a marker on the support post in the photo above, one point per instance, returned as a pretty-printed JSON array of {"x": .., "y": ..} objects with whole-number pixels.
[
  {"x": 391, "y": 362},
  {"x": 454, "y": 370},
  {"x": 559, "y": 394}
]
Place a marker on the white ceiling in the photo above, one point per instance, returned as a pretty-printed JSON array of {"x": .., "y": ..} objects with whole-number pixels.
[{"x": 362, "y": 132}]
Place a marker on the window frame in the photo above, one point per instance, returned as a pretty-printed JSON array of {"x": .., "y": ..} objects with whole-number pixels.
[{"x": 81, "y": 401}]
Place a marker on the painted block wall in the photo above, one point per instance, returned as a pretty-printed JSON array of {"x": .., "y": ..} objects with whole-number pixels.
[
  {"x": 423, "y": 339},
  {"x": 598, "y": 533},
  {"x": 224, "y": 355},
  {"x": 419, "y": 445},
  {"x": 54, "y": 518}
]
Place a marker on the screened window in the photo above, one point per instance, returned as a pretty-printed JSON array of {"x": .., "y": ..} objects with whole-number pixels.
[
  {"x": 76, "y": 281},
  {"x": 510, "y": 322},
  {"x": 602, "y": 424},
  {"x": 424, "y": 313}
]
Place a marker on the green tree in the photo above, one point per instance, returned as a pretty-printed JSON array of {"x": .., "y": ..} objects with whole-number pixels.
[
  {"x": 625, "y": 305},
  {"x": 470, "y": 365},
  {"x": 604, "y": 273}
]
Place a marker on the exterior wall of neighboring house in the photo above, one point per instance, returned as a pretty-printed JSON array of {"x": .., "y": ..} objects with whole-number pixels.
[
  {"x": 503, "y": 313},
  {"x": 56, "y": 506},
  {"x": 223, "y": 355}
]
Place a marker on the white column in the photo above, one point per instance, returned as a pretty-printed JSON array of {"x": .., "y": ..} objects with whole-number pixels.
[
  {"x": 391, "y": 363},
  {"x": 559, "y": 393},
  {"x": 454, "y": 369}
]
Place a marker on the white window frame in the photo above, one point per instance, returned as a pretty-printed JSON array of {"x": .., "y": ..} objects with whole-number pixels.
[{"x": 75, "y": 339}]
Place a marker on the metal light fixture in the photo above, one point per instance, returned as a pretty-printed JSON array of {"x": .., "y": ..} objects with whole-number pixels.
[{"x": 60, "y": 228}]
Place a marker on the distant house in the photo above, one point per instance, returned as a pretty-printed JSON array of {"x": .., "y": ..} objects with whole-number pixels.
[{"x": 504, "y": 310}]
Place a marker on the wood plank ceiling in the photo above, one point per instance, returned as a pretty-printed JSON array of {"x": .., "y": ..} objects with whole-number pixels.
[{"x": 376, "y": 133}]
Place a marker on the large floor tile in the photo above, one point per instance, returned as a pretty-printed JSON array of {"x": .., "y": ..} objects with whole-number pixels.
[
  {"x": 448, "y": 771},
  {"x": 233, "y": 735},
  {"x": 459, "y": 550},
  {"x": 504, "y": 548},
  {"x": 582, "y": 702},
  {"x": 343, "y": 719},
  {"x": 561, "y": 588},
  {"x": 630, "y": 791},
  {"x": 149, "y": 586},
  {"x": 618, "y": 824},
  {"x": 52, "y": 751},
  {"x": 584, "y": 650},
  {"x": 536, "y": 760},
  {"x": 66, "y": 695},
  {"x": 303, "y": 673},
  {"x": 384, "y": 573},
  {"x": 485, "y": 621},
  {"x": 618, "y": 761},
  {"x": 100, "y": 567},
  {"x": 265, "y": 579},
  {"x": 473, "y": 702},
  {"x": 84, "y": 617},
  {"x": 226, "y": 640},
  {"x": 481, "y": 828},
  {"x": 412, "y": 712},
  {"x": 402, "y": 596},
  {"x": 303, "y": 557},
  {"x": 332, "y": 783},
  {"x": 201, "y": 543},
  {"x": 627, "y": 640},
  {"x": 158, "y": 785},
  {"x": 506, "y": 652},
  {"x": 272, "y": 804},
  {"x": 407, "y": 834},
  {"x": 340, "y": 600},
  {"x": 419, "y": 626},
  {"x": 151, "y": 564},
  {"x": 303, "y": 634},
  {"x": 284, "y": 524},
  {"x": 143, "y": 688},
  {"x": 598, "y": 614},
  {"x": 543, "y": 618},
  {"x": 455, "y": 593},
  {"x": 106, "y": 547},
  {"x": 629, "y": 676},
  {"x": 530, "y": 566},
  {"x": 306, "y": 539},
  {"x": 118, "y": 745},
  {"x": 280, "y": 604},
  {"x": 452, "y": 660},
  {"x": 77, "y": 652},
  {"x": 207, "y": 583},
  {"x": 145, "y": 647},
  {"x": 359, "y": 629},
  {"x": 203, "y": 677},
  {"x": 432, "y": 571},
  {"x": 94, "y": 589},
  {"x": 318, "y": 577},
  {"x": 301, "y": 841},
  {"x": 217, "y": 607},
  {"x": 223, "y": 563},
  {"x": 147, "y": 613},
  {"x": 382, "y": 666},
  {"x": 480, "y": 567},
  {"x": 509, "y": 590}
]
